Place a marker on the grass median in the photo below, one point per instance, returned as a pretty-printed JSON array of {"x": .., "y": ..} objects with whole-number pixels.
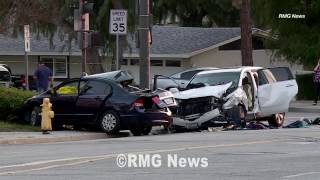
[{"x": 11, "y": 127}]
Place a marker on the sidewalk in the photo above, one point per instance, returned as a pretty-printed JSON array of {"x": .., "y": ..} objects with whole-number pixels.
[
  {"x": 56, "y": 136},
  {"x": 304, "y": 106}
]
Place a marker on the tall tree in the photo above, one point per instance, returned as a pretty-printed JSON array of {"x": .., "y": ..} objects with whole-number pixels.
[
  {"x": 197, "y": 12},
  {"x": 297, "y": 39}
]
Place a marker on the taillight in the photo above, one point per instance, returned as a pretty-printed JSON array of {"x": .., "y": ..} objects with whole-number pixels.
[
  {"x": 138, "y": 103},
  {"x": 156, "y": 99}
]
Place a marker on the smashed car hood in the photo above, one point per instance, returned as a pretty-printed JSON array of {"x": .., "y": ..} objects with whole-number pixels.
[
  {"x": 216, "y": 91},
  {"x": 117, "y": 76}
]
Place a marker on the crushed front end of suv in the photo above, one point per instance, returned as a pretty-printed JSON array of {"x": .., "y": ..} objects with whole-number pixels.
[{"x": 234, "y": 95}]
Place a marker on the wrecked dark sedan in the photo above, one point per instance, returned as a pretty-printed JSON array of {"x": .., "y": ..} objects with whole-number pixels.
[{"x": 105, "y": 100}]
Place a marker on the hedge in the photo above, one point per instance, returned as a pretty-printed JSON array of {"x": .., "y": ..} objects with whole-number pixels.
[
  {"x": 11, "y": 100},
  {"x": 306, "y": 87}
]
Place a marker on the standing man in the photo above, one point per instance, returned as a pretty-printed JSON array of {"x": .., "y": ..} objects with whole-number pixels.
[
  {"x": 42, "y": 76},
  {"x": 316, "y": 80}
]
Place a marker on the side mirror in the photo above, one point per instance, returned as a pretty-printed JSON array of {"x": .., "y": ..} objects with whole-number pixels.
[{"x": 174, "y": 90}]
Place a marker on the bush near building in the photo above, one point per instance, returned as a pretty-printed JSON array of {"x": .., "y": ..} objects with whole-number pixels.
[
  {"x": 306, "y": 87},
  {"x": 11, "y": 100}
]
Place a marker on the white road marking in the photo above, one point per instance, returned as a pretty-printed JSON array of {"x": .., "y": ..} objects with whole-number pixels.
[
  {"x": 301, "y": 174},
  {"x": 86, "y": 159}
]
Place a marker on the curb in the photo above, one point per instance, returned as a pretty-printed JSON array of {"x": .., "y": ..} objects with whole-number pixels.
[
  {"x": 306, "y": 110},
  {"x": 37, "y": 140}
]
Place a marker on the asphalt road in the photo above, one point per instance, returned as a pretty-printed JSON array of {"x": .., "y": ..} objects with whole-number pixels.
[{"x": 244, "y": 154}]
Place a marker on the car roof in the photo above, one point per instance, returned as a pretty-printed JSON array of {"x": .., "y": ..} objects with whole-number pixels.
[
  {"x": 2, "y": 68},
  {"x": 194, "y": 68},
  {"x": 230, "y": 69},
  {"x": 117, "y": 76}
]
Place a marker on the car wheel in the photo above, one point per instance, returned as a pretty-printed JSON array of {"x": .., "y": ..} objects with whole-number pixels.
[
  {"x": 277, "y": 120},
  {"x": 110, "y": 122},
  {"x": 34, "y": 116},
  {"x": 146, "y": 130},
  {"x": 136, "y": 131}
]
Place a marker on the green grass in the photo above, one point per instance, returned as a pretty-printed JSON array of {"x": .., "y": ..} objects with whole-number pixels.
[{"x": 10, "y": 127}]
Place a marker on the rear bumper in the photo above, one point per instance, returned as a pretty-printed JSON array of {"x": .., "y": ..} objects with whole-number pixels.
[{"x": 145, "y": 119}]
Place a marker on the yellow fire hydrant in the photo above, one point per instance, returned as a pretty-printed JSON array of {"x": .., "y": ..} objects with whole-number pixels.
[{"x": 46, "y": 115}]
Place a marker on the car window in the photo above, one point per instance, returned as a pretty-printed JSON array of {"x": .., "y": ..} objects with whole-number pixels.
[
  {"x": 265, "y": 76},
  {"x": 69, "y": 88},
  {"x": 188, "y": 75},
  {"x": 96, "y": 88},
  {"x": 176, "y": 76},
  {"x": 282, "y": 73},
  {"x": 213, "y": 79},
  {"x": 4, "y": 76}
]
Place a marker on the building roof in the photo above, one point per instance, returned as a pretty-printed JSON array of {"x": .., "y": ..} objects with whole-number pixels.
[
  {"x": 182, "y": 40},
  {"x": 39, "y": 46},
  {"x": 171, "y": 41}
]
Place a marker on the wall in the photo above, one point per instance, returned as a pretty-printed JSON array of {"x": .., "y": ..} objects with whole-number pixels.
[
  {"x": 16, "y": 63},
  {"x": 216, "y": 58}
]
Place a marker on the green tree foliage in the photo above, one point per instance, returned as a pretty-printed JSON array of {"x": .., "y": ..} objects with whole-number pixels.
[
  {"x": 195, "y": 12},
  {"x": 46, "y": 16},
  {"x": 56, "y": 16},
  {"x": 298, "y": 40}
]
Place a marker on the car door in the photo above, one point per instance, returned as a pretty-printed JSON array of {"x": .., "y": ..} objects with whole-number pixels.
[
  {"x": 277, "y": 87},
  {"x": 64, "y": 98},
  {"x": 92, "y": 97}
]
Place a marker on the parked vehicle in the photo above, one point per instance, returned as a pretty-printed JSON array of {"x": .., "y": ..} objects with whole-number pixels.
[
  {"x": 105, "y": 100},
  {"x": 180, "y": 79},
  {"x": 235, "y": 95},
  {"x": 5, "y": 76}
]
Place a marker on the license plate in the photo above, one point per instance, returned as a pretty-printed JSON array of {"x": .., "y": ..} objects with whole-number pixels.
[{"x": 168, "y": 101}]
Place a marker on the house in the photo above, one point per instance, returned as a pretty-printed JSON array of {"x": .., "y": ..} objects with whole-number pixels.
[
  {"x": 173, "y": 49},
  {"x": 178, "y": 48}
]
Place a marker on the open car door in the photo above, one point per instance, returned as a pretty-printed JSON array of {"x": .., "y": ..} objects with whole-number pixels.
[{"x": 277, "y": 87}]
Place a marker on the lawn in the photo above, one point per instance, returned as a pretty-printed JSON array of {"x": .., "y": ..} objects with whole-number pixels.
[{"x": 9, "y": 127}]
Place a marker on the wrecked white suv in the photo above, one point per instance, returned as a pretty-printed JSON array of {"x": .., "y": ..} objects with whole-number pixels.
[{"x": 235, "y": 95}]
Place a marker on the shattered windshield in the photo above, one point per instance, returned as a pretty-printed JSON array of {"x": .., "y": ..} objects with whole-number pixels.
[{"x": 214, "y": 79}]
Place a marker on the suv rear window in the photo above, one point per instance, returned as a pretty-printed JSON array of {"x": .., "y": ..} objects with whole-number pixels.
[{"x": 4, "y": 76}]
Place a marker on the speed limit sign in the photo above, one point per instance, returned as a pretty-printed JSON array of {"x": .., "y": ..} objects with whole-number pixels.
[{"x": 118, "y": 21}]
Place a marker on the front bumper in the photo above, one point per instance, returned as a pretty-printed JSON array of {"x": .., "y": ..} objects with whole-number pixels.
[{"x": 196, "y": 123}]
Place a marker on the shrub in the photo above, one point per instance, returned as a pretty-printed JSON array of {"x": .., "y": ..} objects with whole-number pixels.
[
  {"x": 306, "y": 87},
  {"x": 11, "y": 100}
]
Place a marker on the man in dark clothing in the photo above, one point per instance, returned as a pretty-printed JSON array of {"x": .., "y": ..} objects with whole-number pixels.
[{"x": 42, "y": 76}]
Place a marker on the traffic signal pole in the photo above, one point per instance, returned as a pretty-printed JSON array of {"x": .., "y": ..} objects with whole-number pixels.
[
  {"x": 83, "y": 39},
  {"x": 144, "y": 40}
]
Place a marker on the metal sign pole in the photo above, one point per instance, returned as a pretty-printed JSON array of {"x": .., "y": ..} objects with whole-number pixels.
[
  {"x": 27, "y": 70},
  {"x": 117, "y": 51}
]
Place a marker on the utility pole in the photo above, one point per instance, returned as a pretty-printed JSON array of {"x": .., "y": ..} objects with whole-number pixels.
[
  {"x": 246, "y": 33},
  {"x": 81, "y": 25},
  {"x": 144, "y": 43},
  {"x": 26, "y": 50}
]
